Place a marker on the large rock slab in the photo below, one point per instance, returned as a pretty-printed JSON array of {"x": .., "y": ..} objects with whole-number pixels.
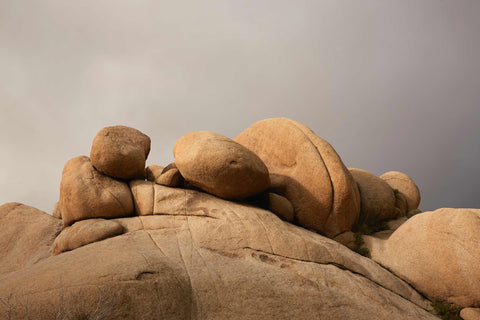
[
  {"x": 405, "y": 185},
  {"x": 217, "y": 260},
  {"x": 220, "y": 166},
  {"x": 120, "y": 152},
  {"x": 26, "y": 237},
  {"x": 437, "y": 252},
  {"x": 376, "y": 196},
  {"x": 86, "y": 193},
  {"x": 84, "y": 232},
  {"x": 307, "y": 171}
]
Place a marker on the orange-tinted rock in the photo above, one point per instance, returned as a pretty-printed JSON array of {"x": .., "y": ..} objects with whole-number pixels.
[
  {"x": 120, "y": 152},
  {"x": 308, "y": 172},
  {"x": 84, "y": 232},
  {"x": 220, "y": 166},
  {"x": 405, "y": 185},
  {"x": 86, "y": 193},
  {"x": 26, "y": 237},
  {"x": 377, "y": 198},
  {"x": 438, "y": 253}
]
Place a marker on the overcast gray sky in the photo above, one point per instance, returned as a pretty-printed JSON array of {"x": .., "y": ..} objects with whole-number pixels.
[{"x": 392, "y": 85}]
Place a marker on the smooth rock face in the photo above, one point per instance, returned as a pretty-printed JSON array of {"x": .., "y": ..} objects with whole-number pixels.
[
  {"x": 84, "y": 232},
  {"x": 405, "y": 185},
  {"x": 26, "y": 236},
  {"x": 470, "y": 314},
  {"x": 217, "y": 260},
  {"x": 307, "y": 171},
  {"x": 56, "y": 211},
  {"x": 377, "y": 198},
  {"x": 281, "y": 206},
  {"x": 86, "y": 193},
  {"x": 120, "y": 152},
  {"x": 438, "y": 253},
  {"x": 220, "y": 166},
  {"x": 169, "y": 176}
]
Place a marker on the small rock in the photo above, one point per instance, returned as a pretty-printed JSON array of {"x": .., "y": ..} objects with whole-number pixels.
[
  {"x": 470, "y": 314},
  {"x": 377, "y": 198},
  {"x": 405, "y": 185},
  {"x": 153, "y": 171},
  {"x": 120, "y": 152},
  {"x": 84, "y": 232}
]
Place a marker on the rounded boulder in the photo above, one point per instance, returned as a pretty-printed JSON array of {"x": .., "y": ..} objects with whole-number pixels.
[
  {"x": 120, "y": 152},
  {"x": 377, "y": 198},
  {"x": 307, "y": 171},
  {"x": 405, "y": 185},
  {"x": 220, "y": 166},
  {"x": 86, "y": 193}
]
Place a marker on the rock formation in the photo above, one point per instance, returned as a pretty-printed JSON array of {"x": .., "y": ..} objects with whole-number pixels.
[
  {"x": 307, "y": 171},
  {"x": 222, "y": 233}
]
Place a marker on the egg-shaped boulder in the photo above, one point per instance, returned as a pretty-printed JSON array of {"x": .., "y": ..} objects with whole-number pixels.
[
  {"x": 307, "y": 171},
  {"x": 120, "y": 152},
  {"x": 220, "y": 166},
  {"x": 405, "y": 185},
  {"x": 377, "y": 198}
]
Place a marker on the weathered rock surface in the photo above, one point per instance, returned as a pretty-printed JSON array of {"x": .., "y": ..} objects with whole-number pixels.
[
  {"x": 56, "y": 211},
  {"x": 401, "y": 205},
  {"x": 26, "y": 237},
  {"x": 470, "y": 314},
  {"x": 281, "y": 206},
  {"x": 86, "y": 193},
  {"x": 120, "y": 152},
  {"x": 153, "y": 171},
  {"x": 220, "y": 166},
  {"x": 217, "y": 260},
  {"x": 308, "y": 172},
  {"x": 377, "y": 197},
  {"x": 169, "y": 176},
  {"x": 437, "y": 252},
  {"x": 405, "y": 185},
  {"x": 84, "y": 232}
]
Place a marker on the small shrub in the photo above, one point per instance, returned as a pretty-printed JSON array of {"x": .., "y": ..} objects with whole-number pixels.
[
  {"x": 370, "y": 228},
  {"x": 413, "y": 212},
  {"x": 395, "y": 192},
  {"x": 359, "y": 248},
  {"x": 446, "y": 311}
]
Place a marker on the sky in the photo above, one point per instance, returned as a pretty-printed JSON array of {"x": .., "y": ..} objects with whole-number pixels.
[{"x": 391, "y": 84}]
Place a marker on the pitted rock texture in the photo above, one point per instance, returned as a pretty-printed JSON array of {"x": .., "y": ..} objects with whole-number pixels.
[
  {"x": 377, "y": 198},
  {"x": 86, "y": 193},
  {"x": 26, "y": 237},
  {"x": 437, "y": 252},
  {"x": 84, "y": 232},
  {"x": 220, "y": 166},
  {"x": 120, "y": 152},
  {"x": 307, "y": 171},
  {"x": 405, "y": 185},
  {"x": 219, "y": 260}
]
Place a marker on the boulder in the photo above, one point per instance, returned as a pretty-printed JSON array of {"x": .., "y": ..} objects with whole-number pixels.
[
  {"x": 169, "y": 176},
  {"x": 437, "y": 252},
  {"x": 405, "y": 185},
  {"x": 84, "y": 232},
  {"x": 308, "y": 172},
  {"x": 153, "y": 171},
  {"x": 120, "y": 152},
  {"x": 232, "y": 261},
  {"x": 470, "y": 314},
  {"x": 377, "y": 198},
  {"x": 27, "y": 236},
  {"x": 281, "y": 206},
  {"x": 86, "y": 193},
  {"x": 220, "y": 166}
]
